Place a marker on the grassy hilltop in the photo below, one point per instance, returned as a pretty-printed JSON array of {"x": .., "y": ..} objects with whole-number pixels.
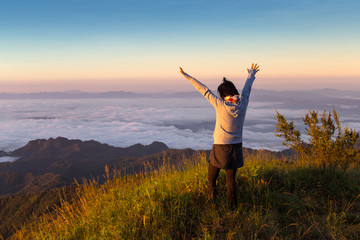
[{"x": 278, "y": 199}]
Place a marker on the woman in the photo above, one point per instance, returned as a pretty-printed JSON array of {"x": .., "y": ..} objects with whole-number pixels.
[{"x": 226, "y": 152}]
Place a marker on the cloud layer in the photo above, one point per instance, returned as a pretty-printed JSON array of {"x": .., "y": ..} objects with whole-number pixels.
[{"x": 178, "y": 122}]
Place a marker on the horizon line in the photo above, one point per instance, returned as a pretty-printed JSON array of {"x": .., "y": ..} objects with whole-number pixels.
[{"x": 77, "y": 91}]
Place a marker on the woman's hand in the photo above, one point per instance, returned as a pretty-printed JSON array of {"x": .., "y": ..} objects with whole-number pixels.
[
  {"x": 254, "y": 69},
  {"x": 182, "y": 71}
]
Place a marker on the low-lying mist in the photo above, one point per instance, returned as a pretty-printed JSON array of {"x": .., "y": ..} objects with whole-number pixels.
[{"x": 180, "y": 121}]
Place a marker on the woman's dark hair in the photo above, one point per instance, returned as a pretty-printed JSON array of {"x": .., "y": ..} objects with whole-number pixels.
[{"x": 227, "y": 88}]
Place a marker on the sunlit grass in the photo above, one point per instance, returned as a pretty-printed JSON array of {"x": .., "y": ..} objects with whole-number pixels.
[{"x": 277, "y": 200}]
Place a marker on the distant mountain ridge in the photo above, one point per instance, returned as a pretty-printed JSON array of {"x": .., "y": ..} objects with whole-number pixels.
[
  {"x": 64, "y": 148},
  {"x": 75, "y": 94},
  {"x": 43, "y": 164},
  {"x": 92, "y": 95}
]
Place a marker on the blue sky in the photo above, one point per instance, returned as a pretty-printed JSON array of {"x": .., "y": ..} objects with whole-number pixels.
[{"x": 107, "y": 45}]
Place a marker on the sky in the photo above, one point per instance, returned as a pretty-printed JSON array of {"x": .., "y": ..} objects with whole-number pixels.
[{"x": 137, "y": 45}]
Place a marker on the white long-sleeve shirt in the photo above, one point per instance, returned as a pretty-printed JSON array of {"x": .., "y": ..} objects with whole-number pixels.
[{"x": 229, "y": 116}]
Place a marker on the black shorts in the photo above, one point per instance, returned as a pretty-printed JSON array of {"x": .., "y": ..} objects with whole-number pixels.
[{"x": 226, "y": 156}]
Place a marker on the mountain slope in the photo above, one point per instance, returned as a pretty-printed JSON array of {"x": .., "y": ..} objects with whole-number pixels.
[{"x": 276, "y": 200}]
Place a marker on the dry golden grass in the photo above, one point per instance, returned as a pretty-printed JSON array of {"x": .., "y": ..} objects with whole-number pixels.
[{"x": 277, "y": 200}]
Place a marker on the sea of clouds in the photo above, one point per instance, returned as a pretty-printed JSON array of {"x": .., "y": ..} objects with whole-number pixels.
[{"x": 178, "y": 122}]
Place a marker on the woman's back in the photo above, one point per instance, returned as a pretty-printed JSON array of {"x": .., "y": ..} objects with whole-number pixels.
[{"x": 229, "y": 122}]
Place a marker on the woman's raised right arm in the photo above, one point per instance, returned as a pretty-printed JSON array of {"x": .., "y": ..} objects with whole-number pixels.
[{"x": 249, "y": 81}]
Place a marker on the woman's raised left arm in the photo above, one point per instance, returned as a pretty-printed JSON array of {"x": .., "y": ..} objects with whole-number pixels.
[{"x": 204, "y": 90}]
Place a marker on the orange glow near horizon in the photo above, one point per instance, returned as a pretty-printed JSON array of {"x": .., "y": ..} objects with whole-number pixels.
[
  {"x": 178, "y": 83},
  {"x": 150, "y": 72},
  {"x": 296, "y": 64}
]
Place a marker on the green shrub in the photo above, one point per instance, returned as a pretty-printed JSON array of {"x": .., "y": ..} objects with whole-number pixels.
[{"x": 329, "y": 145}]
